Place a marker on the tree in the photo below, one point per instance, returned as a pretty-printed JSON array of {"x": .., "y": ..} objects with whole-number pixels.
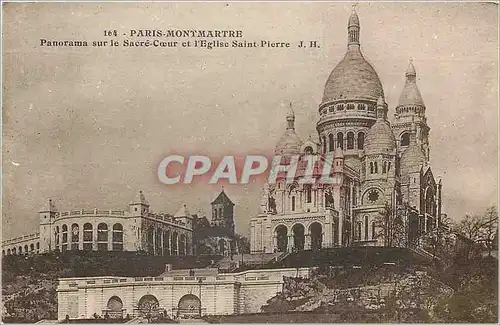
[
  {"x": 480, "y": 229},
  {"x": 391, "y": 226},
  {"x": 243, "y": 244}
]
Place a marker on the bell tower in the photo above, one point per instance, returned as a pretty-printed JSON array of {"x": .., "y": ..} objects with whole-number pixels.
[
  {"x": 411, "y": 109},
  {"x": 223, "y": 212}
]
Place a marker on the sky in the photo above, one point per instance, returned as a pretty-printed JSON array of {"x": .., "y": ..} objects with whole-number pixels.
[{"x": 87, "y": 127}]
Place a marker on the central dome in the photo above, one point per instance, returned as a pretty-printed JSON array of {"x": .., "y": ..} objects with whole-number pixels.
[{"x": 353, "y": 77}]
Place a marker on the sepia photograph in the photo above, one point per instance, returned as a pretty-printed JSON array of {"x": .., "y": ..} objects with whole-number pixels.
[{"x": 250, "y": 162}]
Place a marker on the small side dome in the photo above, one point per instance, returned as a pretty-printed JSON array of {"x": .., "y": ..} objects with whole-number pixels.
[
  {"x": 380, "y": 138},
  {"x": 338, "y": 153},
  {"x": 410, "y": 96},
  {"x": 139, "y": 199},
  {"x": 182, "y": 212},
  {"x": 289, "y": 144}
]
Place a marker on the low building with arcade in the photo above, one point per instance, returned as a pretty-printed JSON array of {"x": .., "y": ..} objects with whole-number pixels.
[{"x": 135, "y": 229}]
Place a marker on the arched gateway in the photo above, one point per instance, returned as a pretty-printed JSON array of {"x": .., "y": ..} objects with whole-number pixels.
[
  {"x": 189, "y": 305},
  {"x": 148, "y": 306}
]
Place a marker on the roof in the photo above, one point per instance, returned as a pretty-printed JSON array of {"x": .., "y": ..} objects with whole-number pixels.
[
  {"x": 289, "y": 143},
  {"x": 412, "y": 158},
  {"x": 380, "y": 138},
  {"x": 222, "y": 198},
  {"x": 139, "y": 198},
  {"x": 353, "y": 78},
  {"x": 182, "y": 212},
  {"x": 410, "y": 96},
  {"x": 48, "y": 207}
]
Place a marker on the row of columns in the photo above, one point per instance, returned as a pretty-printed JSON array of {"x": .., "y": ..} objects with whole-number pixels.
[
  {"x": 172, "y": 241},
  {"x": 26, "y": 249},
  {"x": 82, "y": 243}
]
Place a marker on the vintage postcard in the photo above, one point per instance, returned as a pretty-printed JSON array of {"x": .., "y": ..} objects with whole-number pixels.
[{"x": 250, "y": 162}]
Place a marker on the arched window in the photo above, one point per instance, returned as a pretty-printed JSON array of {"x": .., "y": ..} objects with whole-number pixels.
[
  {"x": 175, "y": 244},
  {"x": 32, "y": 248},
  {"x": 75, "y": 236},
  {"x": 350, "y": 140},
  {"x": 102, "y": 237},
  {"x": 366, "y": 227},
  {"x": 308, "y": 193},
  {"x": 340, "y": 140},
  {"x": 376, "y": 167},
  {"x": 384, "y": 165},
  {"x": 373, "y": 230},
  {"x": 308, "y": 150},
  {"x": 166, "y": 242},
  {"x": 56, "y": 235},
  {"x": 361, "y": 140},
  {"x": 117, "y": 237},
  {"x": 26, "y": 249},
  {"x": 215, "y": 213},
  {"x": 359, "y": 230},
  {"x": 8, "y": 251},
  {"x": 182, "y": 244},
  {"x": 64, "y": 246},
  {"x": 37, "y": 247},
  {"x": 157, "y": 241},
  {"x": 87, "y": 236},
  {"x": 324, "y": 144},
  {"x": 388, "y": 166},
  {"x": 330, "y": 142},
  {"x": 405, "y": 139},
  {"x": 371, "y": 168},
  {"x": 293, "y": 203}
]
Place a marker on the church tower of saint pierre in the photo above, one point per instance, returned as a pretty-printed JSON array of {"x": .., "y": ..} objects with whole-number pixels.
[{"x": 385, "y": 193}]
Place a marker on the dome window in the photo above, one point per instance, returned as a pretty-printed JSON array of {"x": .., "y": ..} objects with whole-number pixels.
[
  {"x": 350, "y": 140},
  {"x": 331, "y": 109},
  {"x": 371, "y": 108},
  {"x": 350, "y": 107},
  {"x": 330, "y": 140},
  {"x": 340, "y": 140},
  {"x": 405, "y": 139},
  {"x": 361, "y": 107},
  {"x": 361, "y": 140},
  {"x": 340, "y": 107},
  {"x": 308, "y": 150}
]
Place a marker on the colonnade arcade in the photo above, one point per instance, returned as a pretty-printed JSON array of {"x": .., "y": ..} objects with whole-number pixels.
[
  {"x": 161, "y": 241},
  {"x": 22, "y": 249},
  {"x": 298, "y": 237},
  {"x": 100, "y": 237}
]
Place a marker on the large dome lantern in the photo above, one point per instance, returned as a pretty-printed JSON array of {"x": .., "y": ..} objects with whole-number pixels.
[{"x": 353, "y": 78}]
